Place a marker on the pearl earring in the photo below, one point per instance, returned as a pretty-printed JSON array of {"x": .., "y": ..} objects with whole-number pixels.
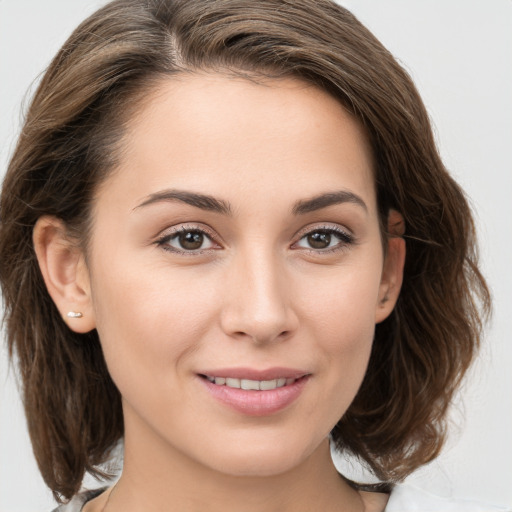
[{"x": 74, "y": 314}]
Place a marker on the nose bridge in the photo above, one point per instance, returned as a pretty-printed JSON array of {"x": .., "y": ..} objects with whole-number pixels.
[{"x": 258, "y": 305}]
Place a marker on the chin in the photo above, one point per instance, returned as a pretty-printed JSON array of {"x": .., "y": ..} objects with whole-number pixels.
[
  {"x": 254, "y": 459},
  {"x": 259, "y": 466}
]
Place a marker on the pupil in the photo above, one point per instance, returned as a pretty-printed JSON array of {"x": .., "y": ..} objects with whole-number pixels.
[
  {"x": 191, "y": 240},
  {"x": 319, "y": 240}
]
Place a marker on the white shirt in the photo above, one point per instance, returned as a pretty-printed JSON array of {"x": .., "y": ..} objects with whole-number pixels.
[{"x": 407, "y": 498}]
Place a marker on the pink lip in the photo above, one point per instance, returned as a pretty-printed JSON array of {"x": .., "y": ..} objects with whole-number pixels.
[
  {"x": 257, "y": 403},
  {"x": 253, "y": 374}
]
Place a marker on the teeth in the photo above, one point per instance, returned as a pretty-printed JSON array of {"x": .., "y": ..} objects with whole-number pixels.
[
  {"x": 247, "y": 384},
  {"x": 265, "y": 385},
  {"x": 233, "y": 383}
]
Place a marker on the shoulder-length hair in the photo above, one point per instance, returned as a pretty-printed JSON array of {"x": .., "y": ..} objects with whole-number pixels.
[{"x": 71, "y": 139}]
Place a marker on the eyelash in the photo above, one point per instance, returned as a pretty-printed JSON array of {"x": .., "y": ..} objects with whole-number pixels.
[
  {"x": 345, "y": 239},
  {"x": 164, "y": 240}
]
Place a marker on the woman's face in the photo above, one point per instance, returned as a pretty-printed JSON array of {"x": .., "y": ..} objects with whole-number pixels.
[{"x": 239, "y": 240}]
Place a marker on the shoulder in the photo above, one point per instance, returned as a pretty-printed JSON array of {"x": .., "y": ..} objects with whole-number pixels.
[
  {"x": 78, "y": 501},
  {"x": 407, "y": 498}
]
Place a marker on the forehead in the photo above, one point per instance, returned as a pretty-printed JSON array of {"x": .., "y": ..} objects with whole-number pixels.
[{"x": 216, "y": 134}]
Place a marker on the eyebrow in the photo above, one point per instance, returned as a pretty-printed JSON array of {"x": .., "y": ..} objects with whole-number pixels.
[
  {"x": 202, "y": 201},
  {"x": 324, "y": 200},
  {"x": 210, "y": 203}
]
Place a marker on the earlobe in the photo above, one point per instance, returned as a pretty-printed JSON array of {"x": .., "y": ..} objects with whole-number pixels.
[
  {"x": 65, "y": 274},
  {"x": 393, "y": 269}
]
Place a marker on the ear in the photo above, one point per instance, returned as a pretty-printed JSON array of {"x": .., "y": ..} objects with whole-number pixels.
[
  {"x": 65, "y": 273},
  {"x": 393, "y": 268}
]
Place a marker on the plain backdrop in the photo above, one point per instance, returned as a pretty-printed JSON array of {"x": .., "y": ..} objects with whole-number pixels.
[{"x": 459, "y": 53}]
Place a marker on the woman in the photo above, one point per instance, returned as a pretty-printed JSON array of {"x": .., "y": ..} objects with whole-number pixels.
[{"x": 219, "y": 196}]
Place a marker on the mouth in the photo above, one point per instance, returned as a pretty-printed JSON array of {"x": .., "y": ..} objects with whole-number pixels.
[
  {"x": 250, "y": 384},
  {"x": 255, "y": 393}
]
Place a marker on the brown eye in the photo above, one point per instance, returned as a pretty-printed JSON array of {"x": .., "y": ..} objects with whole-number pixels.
[
  {"x": 325, "y": 239},
  {"x": 191, "y": 240},
  {"x": 319, "y": 240},
  {"x": 187, "y": 240}
]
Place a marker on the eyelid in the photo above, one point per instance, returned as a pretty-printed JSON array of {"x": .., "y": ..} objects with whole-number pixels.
[
  {"x": 171, "y": 231},
  {"x": 346, "y": 236},
  {"x": 311, "y": 228},
  {"x": 188, "y": 226}
]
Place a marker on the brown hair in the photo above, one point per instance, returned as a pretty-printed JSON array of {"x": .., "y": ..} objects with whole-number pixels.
[{"x": 71, "y": 139}]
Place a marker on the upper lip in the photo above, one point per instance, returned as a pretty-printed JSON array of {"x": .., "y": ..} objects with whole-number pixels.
[{"x": 254, "y": 374}]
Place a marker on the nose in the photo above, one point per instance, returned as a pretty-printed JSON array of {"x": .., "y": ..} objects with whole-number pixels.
[{"x": 258, "y": 302}]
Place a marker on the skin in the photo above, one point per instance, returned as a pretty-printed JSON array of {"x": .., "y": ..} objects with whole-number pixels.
[{"x": 256, "y": 294}]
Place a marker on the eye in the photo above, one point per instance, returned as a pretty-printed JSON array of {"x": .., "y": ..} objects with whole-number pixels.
[
  {"x": 187, "y": 240},
  {"x": 325, "y": 239}
]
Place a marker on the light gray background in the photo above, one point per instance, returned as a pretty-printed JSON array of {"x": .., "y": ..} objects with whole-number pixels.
[{"x": 460, "y": 54}]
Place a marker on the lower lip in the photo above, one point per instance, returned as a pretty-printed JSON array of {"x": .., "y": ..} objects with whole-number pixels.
[{"x": 257, "y": 403}]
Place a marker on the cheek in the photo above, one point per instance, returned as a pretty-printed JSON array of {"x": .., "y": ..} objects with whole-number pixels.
[
  {"x": 341, "y": 319},
  {"x": 342, "y": 305},
  {"x": 148, "y": 322}
]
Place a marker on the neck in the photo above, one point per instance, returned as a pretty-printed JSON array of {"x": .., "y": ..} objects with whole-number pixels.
[{"x": 160, "y": 478}]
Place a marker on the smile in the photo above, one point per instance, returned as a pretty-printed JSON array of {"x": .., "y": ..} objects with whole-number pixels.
[
  {"x": 248, "y": 384},
  {"x": 266, "y": 392}
]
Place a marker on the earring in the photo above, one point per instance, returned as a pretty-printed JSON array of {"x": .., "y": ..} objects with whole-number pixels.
[{"x": 74, "y": 314}]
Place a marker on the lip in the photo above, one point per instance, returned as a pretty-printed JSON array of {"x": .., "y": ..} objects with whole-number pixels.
[
  {"x": 256, "y": 403},
  {"x": 254, "y": 374}
]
